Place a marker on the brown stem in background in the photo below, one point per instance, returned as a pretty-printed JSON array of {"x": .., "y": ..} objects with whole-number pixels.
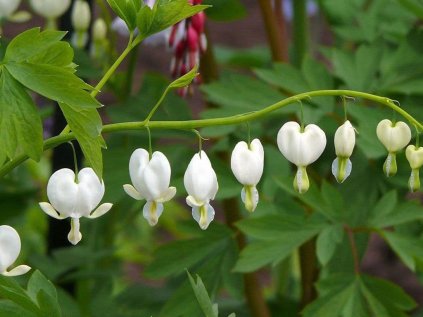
[
  {"x": 256, "y": 303},
  {"x": 252, "y": 288},
  {"x": 309, "y": 272},
  {"x": 277, "y": 40},
  {"x": 280, "y": 19},
  {"x": 354, "y": 251}
]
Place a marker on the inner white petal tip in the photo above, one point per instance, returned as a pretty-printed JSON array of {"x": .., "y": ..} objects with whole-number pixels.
[{"x": 19, "y": 270}]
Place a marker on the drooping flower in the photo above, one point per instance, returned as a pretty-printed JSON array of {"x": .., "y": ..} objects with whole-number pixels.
[
  {"x": 151, "y": 180},
  {"x": 50, "y": 9},
  {"x": 344, "y": 146},
  {"x": 100, "y": 43},
  {"x": 415, "y": 158},
  {"x": 394, "y": 136},
  {"x": 75, "y": 198},
  {"x": 187, "y": 41},
  {"x": 10, "y": 247},
  {"x": 81, "y": 18},
  {"x": 201, "y": 184},
  {"x": 247, "y": 163},
  {"x": 301, "y": 147},
  {"x": 7, "y": 7}
]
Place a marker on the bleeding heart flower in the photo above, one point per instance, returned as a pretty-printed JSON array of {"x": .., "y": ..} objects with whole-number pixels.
[
  {"x": 151, "y": 180},
  {"x": 75, "y": 198},
  {"x": 415, "y": 158},
  {"x": 301, "y": 147},
  {"x": 394, "y": 136},
  {"x": 50, "y": 9},
  {"x": 247, "y": 165},
  {"x": 7, "y": 7},
  {"x": 10, "y": 247},
  {"x": 344, "y": 146},
  {"x": 201, "y": 184}
]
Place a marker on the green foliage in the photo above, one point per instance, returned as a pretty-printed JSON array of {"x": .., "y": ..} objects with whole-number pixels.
[
  {"x": 41, "y": 62},
  {"x": 358, "y": 296},
  {"x": 39, "y": 299},
  {"x": 277, "y": 237},
  {"x": 225, "y": 10},
  {"x": 164, "y": 14}
]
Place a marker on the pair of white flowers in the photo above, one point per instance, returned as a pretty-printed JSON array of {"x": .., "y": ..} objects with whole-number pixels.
[
  {"x": 395, "y": 136},
  {"x": 303, "y": 146}
]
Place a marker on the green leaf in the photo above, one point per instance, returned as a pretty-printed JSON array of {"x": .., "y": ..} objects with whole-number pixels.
[
  {"x": 278, "y": 236},
  {"x": 127, "y": 11},
  {"x": 345, "y": 295},
  {"x": 86, "y": 125},
  {"x": 48, "y": 304},
  {"x": 164, "y": 14},
  {"x": 239, "y": 94},
  {"x": 38, "y": 282},
  {"x": 172, "y": 258},
  {"x": 11, "y": 309},
  {"x": 202, "y": 296},
  {"x": 20, "y": 123},
  {"x": 10, "y": 289},
  {"x": 387, "y": 212},
  {"x": 409, "y": 249},
  {"x": 225, "y": 10},
  {"x": 327, "y": 242},
  {"x": 32, "y": 43},
  {"x": 53, "y": 82},
  {"x": 186, "y": 79}
]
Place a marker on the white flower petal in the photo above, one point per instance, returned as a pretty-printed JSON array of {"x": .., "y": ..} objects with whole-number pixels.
[
  {"x": 7, "y": 7},
  {"x": 414, "y": 156},
  {"x": 344, "y": 140},
  {"x": 10, "y": 247},
  {"x": 62, "y": 191},
  {"x": 393, "y": 137},
  {"x": 152, "y": 211},
  {"x": 50, "y": 8},
  {"x": 19, "y": 270},
  {"x": 301, "y": 148},
  {"x": 192, "y": 202},
  {"x": 90, "y": 192},
  {"x": 49, "y": 210},
  {"x": 250, "y": 197},
  {"x": 74, "y": 235},
  {"x": 247, "y": 163},
  {"x": 131, "y": 191},
  {"x": 101, "y": 210},
  {"x": 155, "y": 177},
  {"x": 204, "y": 215},
  {"x": 200, "y": 179},
  {"x": 167, "y": 195},
  {"x": 138, "y": 161}
]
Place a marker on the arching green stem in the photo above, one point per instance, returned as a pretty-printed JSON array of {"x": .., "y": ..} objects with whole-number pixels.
[{"x": 231, "y": 120}]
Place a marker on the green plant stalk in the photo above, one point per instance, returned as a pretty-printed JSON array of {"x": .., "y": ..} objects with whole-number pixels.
[
  {"x": 231, "y": 120},
  {"x": 300, "y": 29}
]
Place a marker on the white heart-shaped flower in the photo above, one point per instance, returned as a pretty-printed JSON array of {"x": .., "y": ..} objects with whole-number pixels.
[
  {"x": 7, "y": 7},
  {"x": 10, "y": 247},
  {"x": 394, "y": 136},
  {"x": 151, "y": 180},
  {"x": 414, "y": 156},
  {"x": 75, "y": 198},
  {"x": 301, "y": 147},
  {"x": 81, "y": 15},
  {"x": 50, "y": 9},
  {"x": 200, "y": 181},
  {"x": 247, "y": 164}
]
